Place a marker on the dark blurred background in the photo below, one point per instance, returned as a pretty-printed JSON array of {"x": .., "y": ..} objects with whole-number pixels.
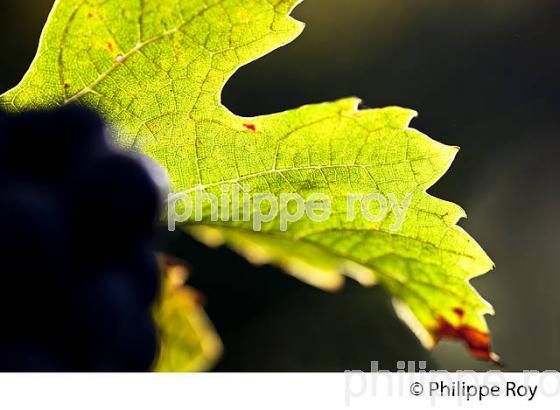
[{"x": 484, "y": 75}]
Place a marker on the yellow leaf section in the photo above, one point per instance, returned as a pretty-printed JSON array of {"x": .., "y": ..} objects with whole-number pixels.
[{"x": 189, "y": 342}]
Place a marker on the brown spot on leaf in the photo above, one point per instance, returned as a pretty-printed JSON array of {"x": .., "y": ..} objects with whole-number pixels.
[
  {"x": 250, "y": 127},
  {"x": 90, "y": 15},
  {"x": 459, "y": 312},
  {"x": 66, "y": 86},
  {"x": 110, "y": 47},
  {"x": 478, "y": 342}
]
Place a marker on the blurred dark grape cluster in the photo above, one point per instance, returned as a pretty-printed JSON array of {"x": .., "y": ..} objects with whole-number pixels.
[{"x": 79, "y": 275}]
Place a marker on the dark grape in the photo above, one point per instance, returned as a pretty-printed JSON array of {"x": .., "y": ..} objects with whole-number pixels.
[
  {"x": 145, "y": 263},
  {"x": 51, "y": 145},
  {"x": 115, "y": 193},
  {"x": 115, "y": 324},
  {"x": 26, "y": 356},
  {"x": 79, "y": 273},
  {"x": 137, "y": 346},
  {"x": 33, "y": 237}
]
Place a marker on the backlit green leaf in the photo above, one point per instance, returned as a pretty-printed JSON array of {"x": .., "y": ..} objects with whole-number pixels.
[{"x": 155, "y": 69}]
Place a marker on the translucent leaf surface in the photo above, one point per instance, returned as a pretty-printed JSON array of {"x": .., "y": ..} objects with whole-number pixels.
[
  {"x": 156, "y": 68},
  {"x": 189, "y": 342}
]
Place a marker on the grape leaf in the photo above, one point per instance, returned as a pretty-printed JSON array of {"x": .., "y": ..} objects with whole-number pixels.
[
  {"x": 156, "y": 68},
  {"x": 188, "y": 340}
]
